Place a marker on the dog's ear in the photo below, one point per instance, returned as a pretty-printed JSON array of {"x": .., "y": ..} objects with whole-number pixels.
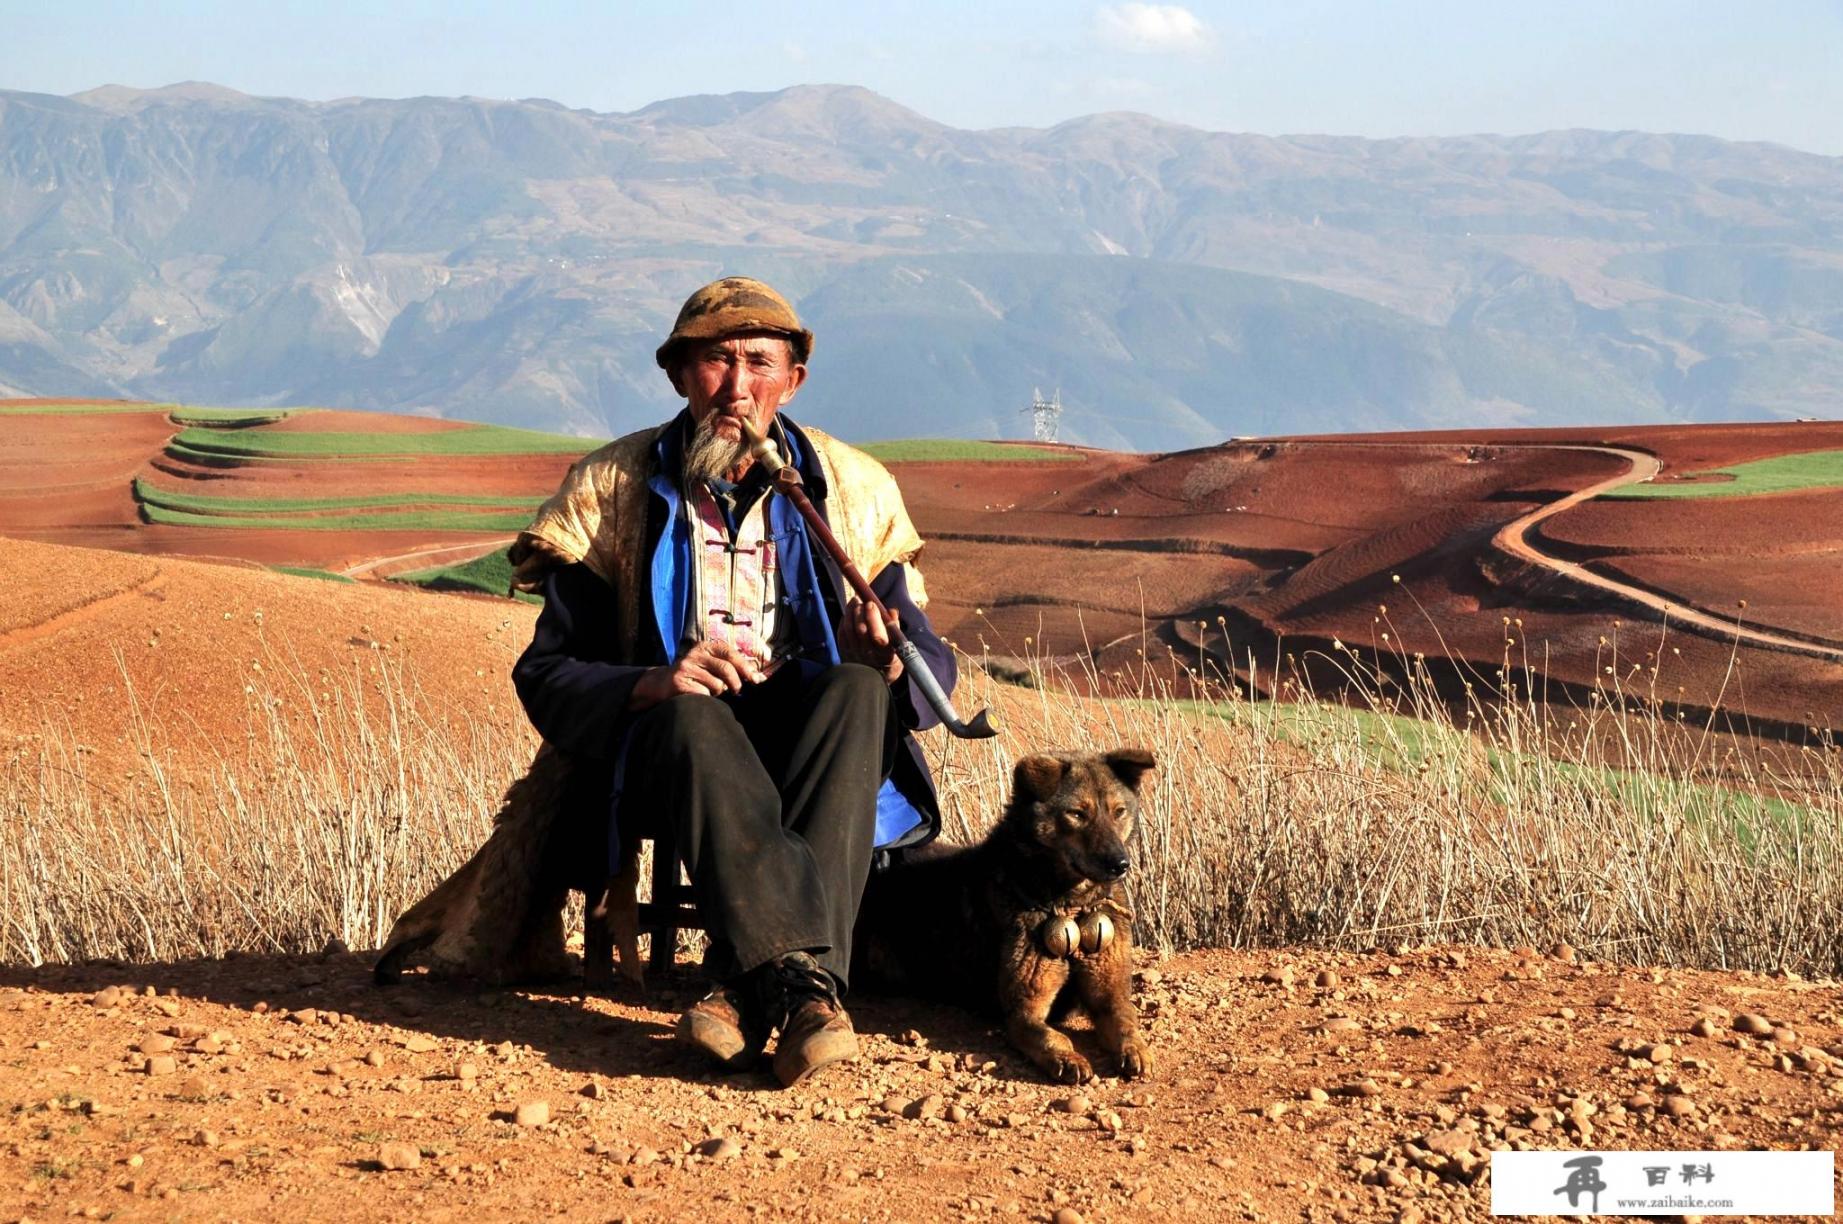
[
  {"x": 1130, "y": 765},
  {"x": 1038, "y": 776}
]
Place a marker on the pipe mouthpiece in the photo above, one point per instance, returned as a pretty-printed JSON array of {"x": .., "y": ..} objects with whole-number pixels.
[{"x": 761, "y": 446}]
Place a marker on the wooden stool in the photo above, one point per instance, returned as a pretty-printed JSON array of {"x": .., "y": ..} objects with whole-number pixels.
[{"x": 673, "y": 907}]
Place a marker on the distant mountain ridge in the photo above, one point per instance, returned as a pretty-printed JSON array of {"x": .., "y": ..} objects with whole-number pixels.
[{"x": 518, "y": 261}]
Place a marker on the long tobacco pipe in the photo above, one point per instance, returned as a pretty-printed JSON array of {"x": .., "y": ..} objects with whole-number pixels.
[{"x": 787, "y": 482}]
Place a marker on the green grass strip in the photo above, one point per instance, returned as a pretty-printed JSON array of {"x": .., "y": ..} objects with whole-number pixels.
[
  {"x": 301, "y": 571},
  {"x": 424, "y": 520},
  {"x": 490, "y": 574},
  {"x": 232, "y": 418},
  {"x": 961, "y": 450},
  {"x": 196, "y": 503},
  {"x": 1401, "y": 743},
  {"x": 1781, "y": 474},
  {"x": 473, "y": 440},
  {"x": 1397, "y": 742}
]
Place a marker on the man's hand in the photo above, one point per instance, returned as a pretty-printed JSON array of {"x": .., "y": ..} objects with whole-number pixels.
[
  {"x": 709, "y": 668},
  {"x": 864, "y": 638}
]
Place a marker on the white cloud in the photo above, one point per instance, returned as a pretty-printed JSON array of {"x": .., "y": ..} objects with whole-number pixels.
[{"x": 1151, "y": 28}]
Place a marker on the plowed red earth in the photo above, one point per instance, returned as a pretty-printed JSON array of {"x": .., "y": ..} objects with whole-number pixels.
[
  {"x": 1303, "y": 541},
  {"x": 332, "y": 420},
  {"x": 74, "y": 468},
  {"x": 1317, "y": 1087},
  {"x": 1296, "y": 541},
  {"x": 1782, "y": 553},
  {"x": 1766, "y": 524},
  {"x": 473, "y": 475},
  {"x": 95, "y": 645},
  {"x": 327, "y": 550},
  {"x": 1800, "y": 592}
]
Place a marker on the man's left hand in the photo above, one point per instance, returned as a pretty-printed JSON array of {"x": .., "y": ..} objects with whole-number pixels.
[{"x": 864, "y": 638}]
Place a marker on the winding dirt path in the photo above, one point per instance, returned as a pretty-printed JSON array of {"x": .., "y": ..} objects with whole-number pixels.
[
  {"x": 1513, "y": 538},
  {"x": 454, "y": 552}
]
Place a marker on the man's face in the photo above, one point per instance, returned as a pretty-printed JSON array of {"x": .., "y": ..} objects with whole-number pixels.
[{"x": 752, "y": 374}]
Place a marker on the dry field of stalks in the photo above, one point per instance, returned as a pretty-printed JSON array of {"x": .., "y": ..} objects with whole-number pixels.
[{"x": 1272, "y": 824}]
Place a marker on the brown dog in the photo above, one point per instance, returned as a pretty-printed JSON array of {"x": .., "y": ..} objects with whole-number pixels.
[{"x": 1032, "y": 921}]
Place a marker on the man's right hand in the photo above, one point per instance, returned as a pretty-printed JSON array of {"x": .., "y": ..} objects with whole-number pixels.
[{"x": 709, "y": 669}]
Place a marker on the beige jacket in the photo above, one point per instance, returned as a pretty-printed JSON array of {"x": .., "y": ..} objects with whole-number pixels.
[{"x": 598, "y": 517}]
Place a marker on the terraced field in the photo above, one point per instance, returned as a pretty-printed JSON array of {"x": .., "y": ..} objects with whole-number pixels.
[
  {"x": 307, "y": 490},
  {"x": 1303, "y": 549},
  {"x": 209, "y": 443}
]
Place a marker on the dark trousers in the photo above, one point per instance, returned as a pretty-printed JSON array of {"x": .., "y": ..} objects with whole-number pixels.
[{"x": 772, "y": 793}]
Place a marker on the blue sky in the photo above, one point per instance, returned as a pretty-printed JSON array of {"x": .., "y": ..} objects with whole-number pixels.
[{"x": 1767, "y": 70}]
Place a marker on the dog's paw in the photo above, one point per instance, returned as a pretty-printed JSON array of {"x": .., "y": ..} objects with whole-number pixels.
[
  {"x": 1135, "y": 1059},
  {"x": 1070, "y": 1068}
]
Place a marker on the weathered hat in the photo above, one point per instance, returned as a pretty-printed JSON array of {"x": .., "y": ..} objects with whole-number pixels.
[{"x": 735, "y": 304}]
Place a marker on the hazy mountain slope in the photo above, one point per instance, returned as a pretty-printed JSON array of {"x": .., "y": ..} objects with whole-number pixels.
[{"x": 518, "y": 261}]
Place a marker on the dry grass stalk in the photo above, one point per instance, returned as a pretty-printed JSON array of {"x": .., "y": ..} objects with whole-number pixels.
[
  {"x": 1296, "y": 822},
  {"x": 322, "y": 825}
]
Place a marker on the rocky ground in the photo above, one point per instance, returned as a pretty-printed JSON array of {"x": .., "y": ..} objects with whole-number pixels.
[{"x": 1314, "y": 1087}]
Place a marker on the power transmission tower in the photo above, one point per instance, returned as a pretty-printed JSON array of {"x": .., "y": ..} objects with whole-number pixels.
[{"x": 1045, "y": 414}]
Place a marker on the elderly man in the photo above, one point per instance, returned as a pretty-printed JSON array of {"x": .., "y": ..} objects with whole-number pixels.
[{"x": 696, "y": 638}]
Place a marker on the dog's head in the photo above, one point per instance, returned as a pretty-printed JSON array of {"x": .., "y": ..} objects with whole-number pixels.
[{"x": 1077, "y": 811}]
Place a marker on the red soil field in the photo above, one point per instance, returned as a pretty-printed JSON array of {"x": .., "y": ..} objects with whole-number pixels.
[
  {"x": 1791, "y": 523},
  {"x": 329, "y": 550},
  {"x": 1320, "y": 529},
  {"x": 1782, "y": 553},
  {"x": 986, "y": 576},
  {"x": 1271, "y": 545},
  {"x": 192, "y": 638},
  {"x": 1680, "y": 447},
  {"x": 66, "y": 469},
  {"x": 1799, "y": 592},
  {"x": 474, "y": 475},
  {"x": 335, "y": 420}
]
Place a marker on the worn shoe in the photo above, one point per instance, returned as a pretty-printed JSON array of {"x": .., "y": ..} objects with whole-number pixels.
[
  {"x": 815, "y": 1031},
  {"x": 727, "y": 1027}
]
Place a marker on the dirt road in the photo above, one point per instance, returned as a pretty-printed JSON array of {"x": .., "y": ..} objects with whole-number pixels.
[
  {"x": 374, "y": 567},
  {"x": 1513, "y": 538}
]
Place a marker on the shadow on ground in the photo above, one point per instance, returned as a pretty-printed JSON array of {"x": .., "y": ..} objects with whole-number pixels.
[{"x": 620, "y": 1034}]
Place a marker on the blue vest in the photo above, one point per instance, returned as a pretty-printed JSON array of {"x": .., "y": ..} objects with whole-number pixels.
[{"x": 897, "y": 813}]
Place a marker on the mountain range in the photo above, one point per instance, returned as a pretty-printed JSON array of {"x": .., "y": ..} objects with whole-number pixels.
[{"x": 517, "y": 262}]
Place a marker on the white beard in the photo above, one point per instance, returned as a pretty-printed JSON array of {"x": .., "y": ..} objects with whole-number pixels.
[{"x": 710, "y": 454}]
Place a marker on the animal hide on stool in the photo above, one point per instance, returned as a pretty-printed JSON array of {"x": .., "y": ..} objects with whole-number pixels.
[{"x": 499, "y": 918}]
